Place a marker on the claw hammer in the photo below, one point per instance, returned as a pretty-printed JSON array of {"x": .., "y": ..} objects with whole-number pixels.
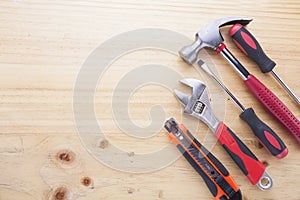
[{"x": 211, "y": 37}]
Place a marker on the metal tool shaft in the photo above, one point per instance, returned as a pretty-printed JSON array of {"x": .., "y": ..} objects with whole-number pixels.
[
  {"x": 237, "y": 66},
  {"x": 208, "y": 70},
  {"x": 229, "y": 93},
  {"x": 292, "y": 94}
]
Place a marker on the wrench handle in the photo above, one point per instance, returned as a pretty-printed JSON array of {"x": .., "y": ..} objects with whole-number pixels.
[
  {"x": 250, "y": 46},
  {"x": 240, "y": 153},
  {"x": 266, "y": 136},
  {"x": 273, "y": 104}
]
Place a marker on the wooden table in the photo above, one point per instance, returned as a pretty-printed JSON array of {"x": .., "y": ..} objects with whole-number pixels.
[{"x": 43, "y": 46}]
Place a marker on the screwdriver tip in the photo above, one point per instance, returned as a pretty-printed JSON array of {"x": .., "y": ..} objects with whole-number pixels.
[{"x": 202, "y": 64}]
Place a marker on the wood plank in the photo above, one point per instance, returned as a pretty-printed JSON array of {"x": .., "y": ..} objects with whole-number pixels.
[{"x": 43, "y": 47}]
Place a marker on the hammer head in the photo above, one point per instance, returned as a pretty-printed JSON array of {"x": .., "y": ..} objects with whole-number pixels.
[{"x": 209, "y": 36}]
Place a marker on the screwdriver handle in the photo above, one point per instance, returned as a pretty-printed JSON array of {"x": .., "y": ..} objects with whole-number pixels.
[
  {"x": 250, "y": 46},
  {"x": 240, "y": 153},
  {"x": 273, "y": 104},
  {"x": 266, "y": 136}
]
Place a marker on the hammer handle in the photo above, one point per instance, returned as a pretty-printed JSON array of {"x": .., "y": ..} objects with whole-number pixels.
[
  {"x": 250, "y": 46},
  {"x": 273, "y": 104}
]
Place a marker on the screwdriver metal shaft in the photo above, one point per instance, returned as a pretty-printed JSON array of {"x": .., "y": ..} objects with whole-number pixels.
[
  {"x": 207, "y": 70},
  {"x": 291, "y": 93}
]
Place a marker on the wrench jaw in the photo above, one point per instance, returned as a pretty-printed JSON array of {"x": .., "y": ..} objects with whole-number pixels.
[{"x": 198, "y": 104}]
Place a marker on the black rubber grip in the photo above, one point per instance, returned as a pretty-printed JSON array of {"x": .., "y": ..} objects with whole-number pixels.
[
  {"x": 220, "y": 166},
  {"x": 267, "y": 137},
  {"x": 242, "y": 146},
  {"x": 233, "y": 195},
  {"x": 236, "y": 159},
  {"x": 211, "y": 185},
  {"x": 237, "y": 196},
  {"x": 250, "y": 46}
]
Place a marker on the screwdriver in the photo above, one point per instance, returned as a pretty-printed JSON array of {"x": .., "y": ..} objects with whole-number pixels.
[
  {"x": 265, "y": 135},
  {"x": 215, "y": 175},
  {"x": 250, "y": 46}
]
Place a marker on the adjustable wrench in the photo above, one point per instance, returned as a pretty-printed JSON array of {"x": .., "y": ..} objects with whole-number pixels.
[{"x": 198, "y": 106}]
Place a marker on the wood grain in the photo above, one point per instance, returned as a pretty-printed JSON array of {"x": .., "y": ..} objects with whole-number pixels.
[{"x": 43, "y": 45}]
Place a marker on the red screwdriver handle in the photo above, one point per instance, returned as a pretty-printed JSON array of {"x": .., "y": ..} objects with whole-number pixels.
[
  {"x": 250, "y": 46},
  {"x": 240, "y": 153},
  {"x": 266, "y": 136},
  {"x": 273, "y": 104}
]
